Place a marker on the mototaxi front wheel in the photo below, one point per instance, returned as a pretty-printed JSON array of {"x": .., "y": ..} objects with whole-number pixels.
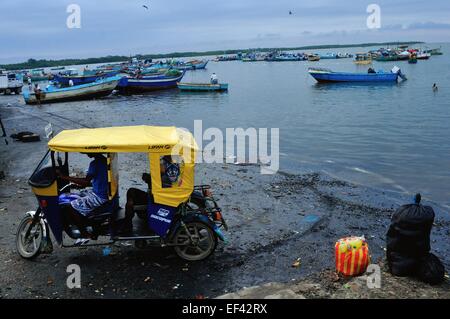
[{"x": 29, "y": 238}]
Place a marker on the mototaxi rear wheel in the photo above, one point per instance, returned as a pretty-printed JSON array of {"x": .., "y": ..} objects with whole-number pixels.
[{"x": 199, "y": 245}]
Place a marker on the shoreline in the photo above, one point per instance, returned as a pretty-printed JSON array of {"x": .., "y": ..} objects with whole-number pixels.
[{"x": 42, "y": 63}]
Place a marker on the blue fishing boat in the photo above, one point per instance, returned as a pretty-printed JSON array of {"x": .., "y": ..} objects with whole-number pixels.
[
  {"x": 199, "y": 65},
  {"x": 202, "y": 87},
  {"x": 129, "y": 84},
  {"x": 82, "y": 79},
  {"x": 51, "y": 93},
  {"x": 328, "y": 56},
  {"x": 326, "y": 75}
]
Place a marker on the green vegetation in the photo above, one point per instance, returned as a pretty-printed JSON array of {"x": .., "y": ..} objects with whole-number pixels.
[{"x": 32, "y": 63}]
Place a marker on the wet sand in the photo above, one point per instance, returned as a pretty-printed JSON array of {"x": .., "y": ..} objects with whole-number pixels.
[{"x": 273, "y": 220}]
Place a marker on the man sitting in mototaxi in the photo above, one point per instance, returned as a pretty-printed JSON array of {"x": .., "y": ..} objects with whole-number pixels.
[{"x": 139, "y": 197}]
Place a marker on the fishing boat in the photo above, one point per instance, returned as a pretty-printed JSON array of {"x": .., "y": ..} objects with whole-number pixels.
[
  {"x": 181, "y": 66},
  {"x": 202, "y": 87},
  {"x": 423, "y": 56},
  {"x": 58, "y": 68},
  {"x": 363, "y": 59},
  {"x": 328, "y": 56},
  {"x": 82, "y": 79},
  {"x": 436, "y": 51},
  {"x": 326, "y": 75},
  {"x": 403, "y": 56},
  {"x": 38, "y": 75},
  {"x": 313, "y": 57},
  {"x": 52, "y": 94},
  {"x": 283, "y": 57},
  {"x": 130, "y": 84},
  {"x": 198, "y": 65},
  {"x": 387, "y": 57}
]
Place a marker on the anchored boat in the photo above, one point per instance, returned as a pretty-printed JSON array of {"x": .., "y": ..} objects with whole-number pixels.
[
  {"x": 51, "y": 94},
  {"x": 169, "y": 80},
  {"x": 326, "y": 75},
  {"x": 202, "y": 87},
  {"x": 363, "y": 59},
  {"x": 313, "y": 57}
]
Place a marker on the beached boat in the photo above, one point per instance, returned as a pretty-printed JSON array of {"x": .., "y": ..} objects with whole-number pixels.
[
  {"x": 326, "y": 75},
  {"x": 51, "y": 94},
  {"x": 82, "y": 79},
  {"x": 202, "y": 87},
  {"x": 363, "y": 59},
  {"x": 130, "y": 84}
]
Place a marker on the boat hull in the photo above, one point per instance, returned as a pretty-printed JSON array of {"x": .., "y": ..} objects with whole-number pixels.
[
  {"x": 387, "y": 58},
  {"x": 202, "y": 87},
  {"x": 363, "y": 62},
  {"x": 152, "y": 83},
  {"x": 200, "y": 66},
  {"x": 334, "y": 77},
  {"x": 75, "y": 93}
]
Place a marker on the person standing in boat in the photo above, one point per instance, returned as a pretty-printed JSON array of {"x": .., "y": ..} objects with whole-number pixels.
[{"x": 214, "y": 79}]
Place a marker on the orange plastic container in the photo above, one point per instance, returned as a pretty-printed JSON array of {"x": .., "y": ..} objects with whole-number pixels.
[{"x": 352, "y": 256}]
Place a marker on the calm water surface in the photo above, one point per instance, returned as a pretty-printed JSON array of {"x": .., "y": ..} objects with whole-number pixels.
[{"x": 394, "y": 137}]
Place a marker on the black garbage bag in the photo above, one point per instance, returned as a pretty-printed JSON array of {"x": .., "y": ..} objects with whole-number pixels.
[
  {"x": 402, "y": 265},
  {"x": 431, "y": 270},
  {"x": 408, "y": 237}
]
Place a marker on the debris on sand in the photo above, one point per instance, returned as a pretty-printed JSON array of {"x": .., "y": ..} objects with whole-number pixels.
[
  {"x": 147, "y": 279},
  {"x": 26, "y": 137},
  {"x": 296, "y": 263}
]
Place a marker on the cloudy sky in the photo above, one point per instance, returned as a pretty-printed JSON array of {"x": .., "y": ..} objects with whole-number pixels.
[{"x": 38, "y": 29}]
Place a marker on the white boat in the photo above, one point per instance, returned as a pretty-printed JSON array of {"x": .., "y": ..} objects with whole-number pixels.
[
  {"x": 51, "y": 94},
  {"x": 423, "y": 56}
]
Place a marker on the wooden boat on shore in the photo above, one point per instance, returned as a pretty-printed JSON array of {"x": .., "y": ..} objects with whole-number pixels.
[
  {"x": 52, "y": 94},
  {"x": 82, "y": 79},
  {"x": 328, "y": 76},
  {"x": 202, "y": 87},
  {"x": 129, "y": 84}
]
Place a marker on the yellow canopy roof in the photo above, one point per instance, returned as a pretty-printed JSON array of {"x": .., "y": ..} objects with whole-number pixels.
[{"x": 146, "y": 139}]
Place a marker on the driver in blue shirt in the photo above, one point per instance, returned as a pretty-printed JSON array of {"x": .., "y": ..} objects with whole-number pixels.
[{"x": 89, "y": 200}]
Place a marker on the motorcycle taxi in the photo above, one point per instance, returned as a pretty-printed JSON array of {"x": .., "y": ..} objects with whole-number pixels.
[{"x": 178, "y": 214}]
